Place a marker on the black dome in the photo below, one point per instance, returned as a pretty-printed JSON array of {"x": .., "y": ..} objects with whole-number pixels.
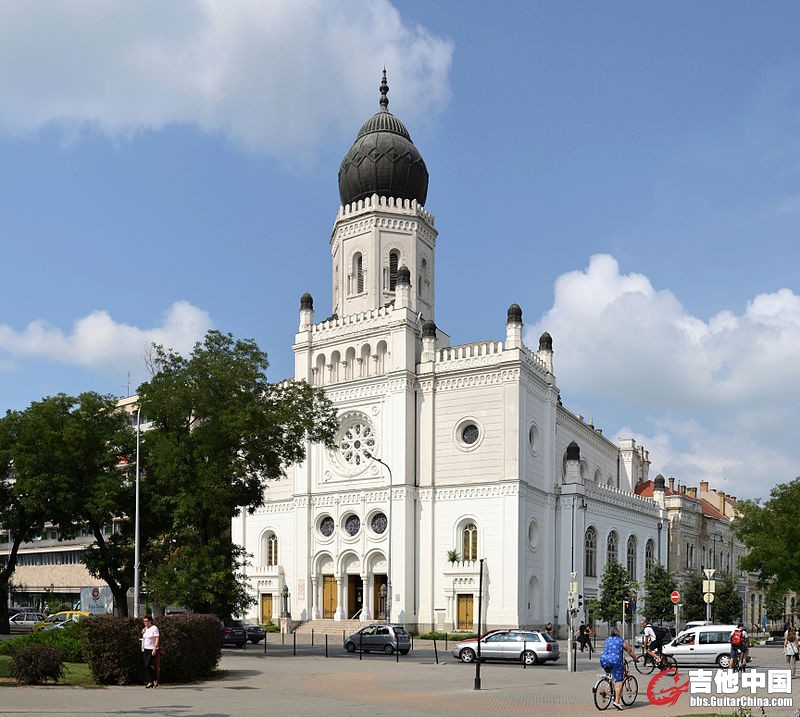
[{"x": 383, "y": 160}]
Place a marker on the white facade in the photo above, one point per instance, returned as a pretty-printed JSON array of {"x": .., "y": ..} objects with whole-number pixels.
[{"x": 476, "y": 440}]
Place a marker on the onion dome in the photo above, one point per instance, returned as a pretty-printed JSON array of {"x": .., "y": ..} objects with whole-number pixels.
[
  {"x": 404, "y": 276},
  {"x": 573, "y": 452},
  {"x": 545, "y": 342},
  {"x": 514, "y": 314},
  {"x": 429, "y": 330},
  {"x": 658, "y": 483},
  {"x": 383, "y": 160},
  {"x": 306, "y": 302}
]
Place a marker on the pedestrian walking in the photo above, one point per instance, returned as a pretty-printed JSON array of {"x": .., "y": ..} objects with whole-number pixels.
[
  {"x": 150, "y": 640},
  {"x": 791, "y": 648}
]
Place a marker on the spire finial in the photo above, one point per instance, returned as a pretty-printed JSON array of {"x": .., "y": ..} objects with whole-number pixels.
[{"x": 384, "y": 92}]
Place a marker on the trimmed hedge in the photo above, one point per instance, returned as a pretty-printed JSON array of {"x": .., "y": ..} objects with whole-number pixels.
[
  {"x": 36, "y": 664},
  {"x": 66, "y": 639},
  {"x": 191, "y": 648}
]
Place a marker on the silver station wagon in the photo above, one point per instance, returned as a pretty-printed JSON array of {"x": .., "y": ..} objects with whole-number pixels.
[{"x": 530, "y": 647}]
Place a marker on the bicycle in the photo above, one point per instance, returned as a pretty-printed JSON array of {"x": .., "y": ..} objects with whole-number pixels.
[
  {"x": 603, "y": 689},
  {"x": 646, "y": 663}
]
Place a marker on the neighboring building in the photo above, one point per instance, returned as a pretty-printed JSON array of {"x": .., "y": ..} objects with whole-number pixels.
[
  {"x": 701, "y": 536},
  {"x": 447, "y": 455}
]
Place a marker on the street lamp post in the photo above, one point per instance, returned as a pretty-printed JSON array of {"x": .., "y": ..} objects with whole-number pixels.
[
  {"x": 136, "y": 523},
  {"x": 389, "y": 551}
]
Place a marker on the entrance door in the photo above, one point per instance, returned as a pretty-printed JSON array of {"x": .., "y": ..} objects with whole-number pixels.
[
  {"x": 464, "y": 612},
  {"x": 266, "y": 607},
  {"x": 378, "y": 605},
  {"x": 329, "y": 597},
  {"x": 355, "y": 595}
]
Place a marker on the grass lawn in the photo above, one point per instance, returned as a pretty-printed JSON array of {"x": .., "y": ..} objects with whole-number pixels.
[{"x": 75, "y": 673}]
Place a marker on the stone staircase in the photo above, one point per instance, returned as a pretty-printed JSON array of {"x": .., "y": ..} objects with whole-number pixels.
[{"x": 333, "y": 628}]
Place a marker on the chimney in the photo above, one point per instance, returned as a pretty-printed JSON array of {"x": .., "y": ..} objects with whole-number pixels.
[
  {"x": 672, "y": 483},
  {"x": 692, "y": 492},
  {"x": 704, "y": 486}
]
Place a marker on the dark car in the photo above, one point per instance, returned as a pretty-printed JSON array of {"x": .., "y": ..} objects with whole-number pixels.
[
  {"x": 380, "y": 638},
  {"x": 255, "y": 633},
  {"x": 232, "y": 632}
]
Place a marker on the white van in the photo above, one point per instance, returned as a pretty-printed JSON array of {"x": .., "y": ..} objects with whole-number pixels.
[{"x": 702, "y": 645}]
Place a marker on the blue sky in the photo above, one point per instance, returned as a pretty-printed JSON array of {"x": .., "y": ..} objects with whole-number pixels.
[{"x": 628, "y": 172}]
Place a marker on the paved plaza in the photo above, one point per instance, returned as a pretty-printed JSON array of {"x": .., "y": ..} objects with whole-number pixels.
[{"x": 278, "y": 683}]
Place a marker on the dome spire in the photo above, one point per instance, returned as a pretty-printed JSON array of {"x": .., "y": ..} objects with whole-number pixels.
[{"x": 384, "y": 88}]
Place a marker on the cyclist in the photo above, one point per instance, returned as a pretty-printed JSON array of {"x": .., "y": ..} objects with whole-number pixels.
[
  {"x": 651, "y": 642},
  {"x": 739, "y": 639},
  {"x": 611, "y": 660}
]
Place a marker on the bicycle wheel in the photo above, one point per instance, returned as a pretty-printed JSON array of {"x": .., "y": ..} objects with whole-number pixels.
[
  {"x": 603, "y": 693},
  {"x": 630, "y": 690},
  {"x": 645, "y": 664},
  {"x": 668, "y": 662}
]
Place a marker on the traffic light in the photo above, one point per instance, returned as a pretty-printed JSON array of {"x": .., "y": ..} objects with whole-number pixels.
[{"x": 580, "y": 602}]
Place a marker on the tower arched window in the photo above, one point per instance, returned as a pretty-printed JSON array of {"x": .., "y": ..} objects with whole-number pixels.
[
  {"x": 612, "y": 545},
  {"x": 358, "y": 273},
  {"x": 394, "y": 262},
  {"x": 631, "y": 555},
  {"x": 470, "y": 542},
  {"x": 590, "y": 553},
  {"x": 649, "y": 555},
  {"x": 270, "y": 545}
]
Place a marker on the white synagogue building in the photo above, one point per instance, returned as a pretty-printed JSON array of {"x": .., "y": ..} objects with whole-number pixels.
[{"x": 448, "y": 457}]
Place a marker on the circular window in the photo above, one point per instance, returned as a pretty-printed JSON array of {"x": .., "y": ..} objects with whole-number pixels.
[
  {"x": 326, "y": 526},
  {"x": 352, "y": 524},
  {"x": 379, "y": 523},
  {"x": 533, "y": 438},
  {"x": 533, "y": 535},
  {"x": 468, "y": 434},
  {"x": 356, "y": 439}
]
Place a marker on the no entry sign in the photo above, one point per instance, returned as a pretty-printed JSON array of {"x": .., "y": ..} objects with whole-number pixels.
[{"x": 675, "y": 596}]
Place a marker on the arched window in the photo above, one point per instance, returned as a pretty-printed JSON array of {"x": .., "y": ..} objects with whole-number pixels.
[
  {"x": 631, "y": 553},
  {"x": 357, "y": 286},
  {"x": 424, "y": 280},
  {"x": 649, "y": 555},
  {"x": 270, "y": 549},
  {"x": 470, "y": 542},
  {"x": 394, "y": 260},
  {"x": 590, "y": 553},
  {"x": 611, "y": 547}
]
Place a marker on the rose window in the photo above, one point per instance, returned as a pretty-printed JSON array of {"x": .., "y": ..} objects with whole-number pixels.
[
  {"x": 357, "y": 439},
  {"x": 352, "y": 525},
  {"x": 326, "y": 526},
  {"x": 379, "y": 523}
]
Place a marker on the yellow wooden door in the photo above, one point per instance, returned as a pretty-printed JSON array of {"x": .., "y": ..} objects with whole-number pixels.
[
  {"x": 329, "y": 596},
  {"x": 266, "y": 608},
  {"x": 464, "y": 612}
]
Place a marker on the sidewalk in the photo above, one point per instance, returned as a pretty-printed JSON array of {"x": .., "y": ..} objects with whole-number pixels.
[{"x": 342, "y": 685}]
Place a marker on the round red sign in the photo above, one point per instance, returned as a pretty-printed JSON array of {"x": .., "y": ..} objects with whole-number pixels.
[{"x": 675, "y": 596}]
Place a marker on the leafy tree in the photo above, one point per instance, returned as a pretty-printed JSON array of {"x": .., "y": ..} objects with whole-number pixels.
[
  {"x": 775, "y": 602},
  {"x": 615, "y": 586},
  {"x": 771, "y": 533},
  {"x": 219, "y": 432},
  {"x": 694, "y": 607},
  {"x": 727, "y": 605},
  {"x": 658, "y": 586},
  {"x": 65, "y": 452}
]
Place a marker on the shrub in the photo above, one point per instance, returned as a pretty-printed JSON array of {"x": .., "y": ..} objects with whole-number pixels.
[
  {"x": 270, "y": 626},
  {"x": 36, "y": 664},
  {"x": 191, "y": 648},
  {"x": 67, "y": 639}
]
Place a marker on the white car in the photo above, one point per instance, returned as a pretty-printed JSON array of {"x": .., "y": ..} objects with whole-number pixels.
[
  {"x": 702, "y": 645},
  {"x": 24, "y": 621}
]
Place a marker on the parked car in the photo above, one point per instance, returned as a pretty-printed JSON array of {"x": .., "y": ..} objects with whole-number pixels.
[
  {"x": 379, "y": 638},
  {"x": 702, "y": 645},
  {"x": 255, "y": 633},
  {"x": 232, "y": 632},
  {"x": 25, "y": 621},
  {"x": 58, "y": 617},
  {"x": 528, "y": 646}
]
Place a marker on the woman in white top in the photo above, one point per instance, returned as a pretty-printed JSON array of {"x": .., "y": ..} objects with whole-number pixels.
[
  {"x": 791, "y": 647},
  {"x": 150, "y": 639}
]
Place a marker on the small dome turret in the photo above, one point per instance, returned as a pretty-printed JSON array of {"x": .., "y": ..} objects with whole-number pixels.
[
  {"x": 514, "y": 314},
  {"x": 573, "y": 452},
  {"x": 429, "y": 330},
  {"x": 404, "y": 276},
  {"x": 545, "y": 342},
  {"x": 306, "y": 302},
  {"x": 658, "y": 483}
]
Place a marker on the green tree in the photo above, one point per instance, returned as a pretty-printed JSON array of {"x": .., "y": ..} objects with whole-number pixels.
[
  {"x": 775, "y": 603},
  {"x": 615, "y": 586},
  {"x": 219, "y": 431},
  {"x": 658, "y": 586},
  {"x": 694, "y": 607},
  {"x": 771, "y": 533},
  {"x": 65, "y": 452},
  {"x": 727, "y": 605}
]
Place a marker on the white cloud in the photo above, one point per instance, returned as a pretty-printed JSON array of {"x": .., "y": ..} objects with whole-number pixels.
[
  {"x": 275, "y": 76},
  {"x": 720, "y": 395},
  {"x": 97, "y": 341}
]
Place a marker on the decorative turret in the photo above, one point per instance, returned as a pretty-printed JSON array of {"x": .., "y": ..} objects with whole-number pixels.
[
  {"x": 428, "y": 341},
  {"x": 545, "y": 352},
  {"x": 514, "y": 327},
  {"x": 402, "y": 289},
  {"x": 572, "y": 464},
  {"x": 306, "y": 312}
]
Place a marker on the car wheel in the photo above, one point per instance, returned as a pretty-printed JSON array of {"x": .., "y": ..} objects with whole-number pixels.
[
  {"x": 403, "y": 652},
  {"x": 350, "y": 647},
  {"x": 466, "y": 655},
  {"x": 529, "y": 657},
  {"x": 724, "y": 661},
  {"x": 388, "y": 649},
  {"x": 255, "y": 640}
]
